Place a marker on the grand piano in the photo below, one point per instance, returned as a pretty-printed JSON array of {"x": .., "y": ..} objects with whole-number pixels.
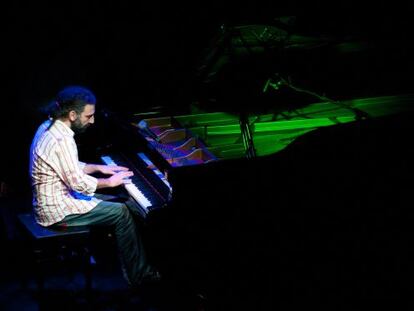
[
  {"x": 233, "y": 227},
  {"x": 254, "y": 210}
]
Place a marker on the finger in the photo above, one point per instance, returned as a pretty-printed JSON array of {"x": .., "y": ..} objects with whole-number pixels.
[
  {"x": 120, "y": 168},
  {"x": 126, "y": 174},
  {"x": 122, "y": 172}
]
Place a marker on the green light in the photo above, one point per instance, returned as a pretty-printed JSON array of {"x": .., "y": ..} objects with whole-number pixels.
[{"x": 273, "y": 132}]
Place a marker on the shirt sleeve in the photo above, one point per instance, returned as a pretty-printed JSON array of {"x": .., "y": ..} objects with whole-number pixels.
[
  {"x": 71, "y": 170},
  {"x": 81, "y": 165}
]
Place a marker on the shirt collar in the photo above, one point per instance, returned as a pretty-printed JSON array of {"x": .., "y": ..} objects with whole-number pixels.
[{"x": 64, "y": 128}]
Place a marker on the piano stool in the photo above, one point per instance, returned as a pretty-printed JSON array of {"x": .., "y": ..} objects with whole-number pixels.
[{"x": 57, "y": 246}]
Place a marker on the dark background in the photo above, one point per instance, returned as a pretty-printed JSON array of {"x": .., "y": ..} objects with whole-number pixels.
[{"x": 136, "y": 56}]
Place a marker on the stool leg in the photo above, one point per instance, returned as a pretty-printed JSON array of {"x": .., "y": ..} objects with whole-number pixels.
[
  {"x": 38, "y": 253},
  {"x": 88, "y": 271}
]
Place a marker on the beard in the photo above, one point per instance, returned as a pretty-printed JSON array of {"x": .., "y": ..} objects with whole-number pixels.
[{"x": 77, "y": 127}]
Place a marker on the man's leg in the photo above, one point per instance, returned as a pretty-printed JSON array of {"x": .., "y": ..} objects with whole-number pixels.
[{"x": 130, "y": 247}]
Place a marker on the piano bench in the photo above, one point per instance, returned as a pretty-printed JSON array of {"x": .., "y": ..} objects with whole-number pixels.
[{"x": 58, "y": 246}]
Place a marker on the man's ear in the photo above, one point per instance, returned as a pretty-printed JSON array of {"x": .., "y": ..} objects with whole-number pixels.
[{"x": 73, "y": 115}]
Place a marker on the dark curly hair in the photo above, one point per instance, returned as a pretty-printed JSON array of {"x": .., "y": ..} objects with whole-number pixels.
[{"x": 68, "y": 99}]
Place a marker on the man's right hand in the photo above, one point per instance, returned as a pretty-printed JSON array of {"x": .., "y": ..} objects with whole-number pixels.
[
  {"x": 115, "y": 180},
  {"x": 119, "y": 178}
]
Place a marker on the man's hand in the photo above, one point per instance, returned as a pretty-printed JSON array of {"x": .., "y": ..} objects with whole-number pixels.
[
  {"x": 120, "y": 178},
  {"x": 111, "y": 169}
]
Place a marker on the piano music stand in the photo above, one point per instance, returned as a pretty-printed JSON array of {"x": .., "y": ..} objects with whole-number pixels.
[{"x": 231, "y": 45}]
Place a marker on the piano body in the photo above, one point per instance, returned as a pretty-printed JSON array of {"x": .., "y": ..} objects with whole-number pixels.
[{"x": 277, "y": 225}]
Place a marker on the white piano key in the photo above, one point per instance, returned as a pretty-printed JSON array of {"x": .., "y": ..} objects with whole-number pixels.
[
  {"x": 138, "y": 196},
  {"x": 108, "y": 161}
]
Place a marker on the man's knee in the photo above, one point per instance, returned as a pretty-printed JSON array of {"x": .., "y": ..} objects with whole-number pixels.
[{"x": 121, "y": 211}]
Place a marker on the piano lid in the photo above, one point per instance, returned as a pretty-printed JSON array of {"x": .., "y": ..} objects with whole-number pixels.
[{"x": 194, "y": 139}]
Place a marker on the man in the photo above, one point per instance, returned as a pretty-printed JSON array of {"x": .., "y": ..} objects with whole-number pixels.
[{"x": 63, "y": 189}]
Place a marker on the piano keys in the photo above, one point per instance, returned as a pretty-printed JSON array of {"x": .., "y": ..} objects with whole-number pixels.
[{"x": 145, "y": 186}]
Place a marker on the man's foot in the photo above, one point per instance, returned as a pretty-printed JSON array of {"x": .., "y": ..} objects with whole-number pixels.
[{"x": 152, "y": 276}]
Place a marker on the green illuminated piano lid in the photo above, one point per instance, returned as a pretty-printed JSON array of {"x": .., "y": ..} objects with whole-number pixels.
[{"x": 272, "y": 132}]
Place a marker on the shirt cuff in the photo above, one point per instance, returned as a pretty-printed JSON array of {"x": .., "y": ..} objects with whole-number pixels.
[{"x": 92, "y": 185}]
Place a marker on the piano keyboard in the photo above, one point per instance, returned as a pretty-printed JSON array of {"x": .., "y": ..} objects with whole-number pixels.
[
  {"x": 138, "y": 187},
  {"x": 155, "y": 170}
]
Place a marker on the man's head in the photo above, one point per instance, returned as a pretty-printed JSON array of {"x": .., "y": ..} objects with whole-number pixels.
[{"x": 75, "y": 105}]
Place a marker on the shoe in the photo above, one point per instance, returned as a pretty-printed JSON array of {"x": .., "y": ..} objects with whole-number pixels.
[{"x": 152, "y": 276}]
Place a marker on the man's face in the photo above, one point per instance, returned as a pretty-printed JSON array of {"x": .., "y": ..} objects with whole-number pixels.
[{"x": 84, "y": 120}]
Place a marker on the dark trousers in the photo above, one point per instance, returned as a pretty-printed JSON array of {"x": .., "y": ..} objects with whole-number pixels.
[{"x": 118, "y": 216}]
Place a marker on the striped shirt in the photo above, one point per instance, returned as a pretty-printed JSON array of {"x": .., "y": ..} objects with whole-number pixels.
[{"x": 60, "y": 187}]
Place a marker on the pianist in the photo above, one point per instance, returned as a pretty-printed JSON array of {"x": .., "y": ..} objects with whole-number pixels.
[{"x": 64, "y": 190}]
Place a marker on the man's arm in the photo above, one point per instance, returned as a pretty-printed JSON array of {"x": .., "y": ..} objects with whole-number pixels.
[
  {"x": 104, "y": 169},
  {"x": 90, "y": 168}
]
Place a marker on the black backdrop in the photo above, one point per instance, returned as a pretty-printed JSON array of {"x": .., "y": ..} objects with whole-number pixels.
[{"x": 138, "y": 55}]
